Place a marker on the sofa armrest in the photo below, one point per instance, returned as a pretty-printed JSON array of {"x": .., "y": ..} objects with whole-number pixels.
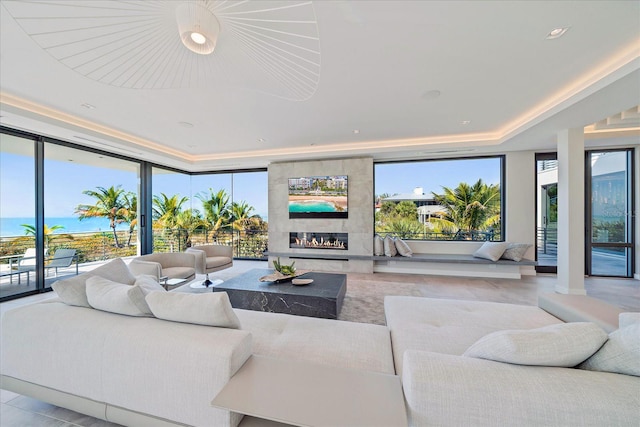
[
  {"x": 139, "y": 267},
  {"x": 201, "y": 259},
  {"x": 442, "y": 389}
]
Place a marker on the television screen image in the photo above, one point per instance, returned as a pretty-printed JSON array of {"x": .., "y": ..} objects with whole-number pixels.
[{"x": 318, "y": 197}]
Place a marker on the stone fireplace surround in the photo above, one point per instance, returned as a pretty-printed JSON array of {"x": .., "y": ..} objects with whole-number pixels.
[{"x": 357, "y": 256}]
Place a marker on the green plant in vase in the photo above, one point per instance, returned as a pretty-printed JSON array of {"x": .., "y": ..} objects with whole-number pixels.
[{"x": 287, "y": 270}]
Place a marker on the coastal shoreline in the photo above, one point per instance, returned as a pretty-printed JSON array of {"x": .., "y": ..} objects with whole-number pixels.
[{"x": 339, "y": 201}]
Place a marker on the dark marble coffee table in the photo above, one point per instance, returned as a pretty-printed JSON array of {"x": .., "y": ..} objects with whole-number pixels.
[{"x": 322, "y": 298}]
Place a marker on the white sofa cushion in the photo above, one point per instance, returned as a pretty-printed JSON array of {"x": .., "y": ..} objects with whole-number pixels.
[
  {"x": 73, "y": 291},
  {"x": 448, "y": 390},
  {"x": 628, "y": 319},
  {"x": 491, "y": 250},
  {"x": 620, "y": 354},
  {"x": 210, "y": 309},
  {"x": 103, "y": 357},
  {"x": 330, "y": 342},
  {"x": 106, "y": 295},
  {"x": 451, "y": 326},
  {"x": 563, "y": 345}
]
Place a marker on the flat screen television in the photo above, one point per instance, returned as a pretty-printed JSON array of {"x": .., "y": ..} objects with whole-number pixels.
[{"x": 318, "y": 197}]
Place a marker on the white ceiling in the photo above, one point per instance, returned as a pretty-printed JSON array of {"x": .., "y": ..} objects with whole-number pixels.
[{"x": 371, "y": 66}]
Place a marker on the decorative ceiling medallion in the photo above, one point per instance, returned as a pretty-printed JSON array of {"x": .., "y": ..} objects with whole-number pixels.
[{"x": 266, "y": 46}]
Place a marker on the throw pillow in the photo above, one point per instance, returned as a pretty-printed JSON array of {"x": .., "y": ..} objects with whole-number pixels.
[
  {"x": 106, "y": 295},
  {"x": 210, "y": 309},
  {"x": 390, "y": 246},
  {"x": 620, "y": 354},
  {"x": 72, "y": 291},
  {"x": 148, "y": 284},
  {"x": 516, "y": 251},
  {"x": 402, "y": 248},
  {"x": 491, "y": 250},
  {"x": 378, "y": 245},
  {"x": 563, "y": 345}
]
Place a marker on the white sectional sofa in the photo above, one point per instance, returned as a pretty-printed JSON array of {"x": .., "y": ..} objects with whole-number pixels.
[
  {"x": 145, "y": 371},
  {"x": 443, "y": 387}
]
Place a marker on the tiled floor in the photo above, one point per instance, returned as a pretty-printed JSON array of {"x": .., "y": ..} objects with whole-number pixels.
[{"x": 20, "y": 411}]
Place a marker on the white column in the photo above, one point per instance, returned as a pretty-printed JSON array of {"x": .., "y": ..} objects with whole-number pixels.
[{"x": 571, "y": 212}]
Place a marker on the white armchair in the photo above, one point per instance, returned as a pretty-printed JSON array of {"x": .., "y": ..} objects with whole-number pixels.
[
  {"x": 173, "y": 265},
  {"x": 210, "y": 258}
]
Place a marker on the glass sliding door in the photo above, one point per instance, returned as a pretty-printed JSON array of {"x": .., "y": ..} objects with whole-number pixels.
[
  {"x": 90, "y": 209},
  {"x": 609, "y": 213},
  {"x": 547, "y": 213},
  {"x": 17, "y": 216}
]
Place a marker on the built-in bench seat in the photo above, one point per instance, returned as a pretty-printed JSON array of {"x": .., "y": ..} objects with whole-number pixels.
[
  {"x": 451, "y": 265},
  {"x": 436, "y": 264}
]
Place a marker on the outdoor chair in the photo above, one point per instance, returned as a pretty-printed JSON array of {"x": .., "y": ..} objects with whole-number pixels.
[
  {"x": 27, "y": 263},
  {"x": 210, "y": 258},
  {"x": 62, "y": 258}
]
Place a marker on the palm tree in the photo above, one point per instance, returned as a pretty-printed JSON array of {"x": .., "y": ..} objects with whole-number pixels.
[
  {"x": 166, "y": 209},
  {"x": 187, "y": 222},
  {"x": 131, "y": 215},
  {"x": 109, "y": 204},
  {"x": 468, "y": 208},
  {"x": 48, "y": 232},
  {"x": 216, "y": 209},
  {"x": 242, "y": 216}
]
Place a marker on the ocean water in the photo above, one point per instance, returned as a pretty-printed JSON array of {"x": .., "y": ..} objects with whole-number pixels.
[
  {"x": 311, "y": 206},
  {"x": 11, "y": 227}
]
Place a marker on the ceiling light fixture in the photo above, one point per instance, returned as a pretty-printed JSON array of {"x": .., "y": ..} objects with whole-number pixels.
[
  {"x": 88, "y": 106},
  {"x": 186, "y": 124},
  {"x": 465, "y": 122},
  {"x": 356, "y": 131},
  {"x": 198, "y": 27},
  {"x": 556, "y": 33}
]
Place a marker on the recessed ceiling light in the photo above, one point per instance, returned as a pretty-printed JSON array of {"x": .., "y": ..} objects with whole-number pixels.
[
  {"x": 356, "y": 131},
  {"x": 431, "y": 94},
  {"x": 88, "y": 106},
  {"x": 465, "y": 122},
  {"x": 186, "y": 124},
  {"x": 556, "y": 32},
  {"x": 313, "y": 143},
  {"x": 262, "y": 140}
]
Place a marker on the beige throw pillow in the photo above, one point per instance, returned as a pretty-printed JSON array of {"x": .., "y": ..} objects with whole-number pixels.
[
  {"x": 620, "y": 354},
  {"x": 516, "y": 251},
  {"x": 378, "y": 245},
  {"x": 106, "y": 295},
  {"x": 390, "y": 246},
  {"x": 562, "y": 345},
  {"x": 491, "y": 250},
  {"x": 210, "y": 309},
  {"x": 402, "y": 248},
  {"x": 72, "y": 291}
]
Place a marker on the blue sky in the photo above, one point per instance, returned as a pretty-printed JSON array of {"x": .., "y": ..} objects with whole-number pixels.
[
  {"x": 65, "y": 182},
  {"x": 399, "y": 178}
]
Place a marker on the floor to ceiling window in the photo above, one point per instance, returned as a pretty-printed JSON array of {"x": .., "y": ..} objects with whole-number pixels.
[
  {"x": 452, "y": 199},
  {"x": 17, "y": 216},
  {"x": 547, "y": 213},
  {"x": 90, "y": 205},
  {"x": 222, "y": 208},
  {"x": 609, "y": 213}
]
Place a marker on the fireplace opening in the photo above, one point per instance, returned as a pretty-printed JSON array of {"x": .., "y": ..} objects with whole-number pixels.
[{"x": 308, "y": 240}]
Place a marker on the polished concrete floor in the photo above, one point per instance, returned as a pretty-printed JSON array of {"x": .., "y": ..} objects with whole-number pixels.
[{"x": 19, "y": 411}]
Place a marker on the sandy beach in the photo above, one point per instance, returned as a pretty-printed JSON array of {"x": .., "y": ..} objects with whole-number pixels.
[{"x": 340, "y": 201}]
